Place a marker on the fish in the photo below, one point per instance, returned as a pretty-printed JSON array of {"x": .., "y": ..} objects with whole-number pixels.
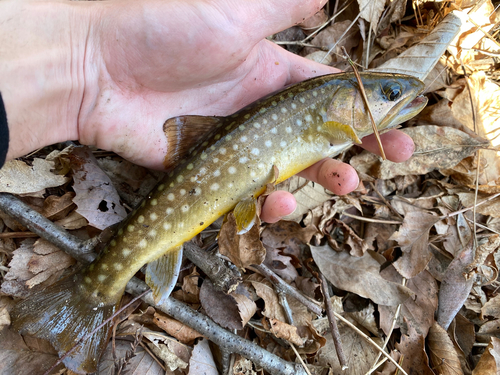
[{"x": 287, "y": 131}]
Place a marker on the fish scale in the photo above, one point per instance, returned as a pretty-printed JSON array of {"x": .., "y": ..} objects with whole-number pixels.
[{"x": 290, "y": 130}]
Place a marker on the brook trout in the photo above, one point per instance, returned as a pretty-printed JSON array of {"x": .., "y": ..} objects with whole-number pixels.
[{"x": 291, "y": 130}]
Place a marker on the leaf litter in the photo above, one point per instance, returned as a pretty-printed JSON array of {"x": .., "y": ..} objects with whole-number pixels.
[{"x": 407, "y": 261}]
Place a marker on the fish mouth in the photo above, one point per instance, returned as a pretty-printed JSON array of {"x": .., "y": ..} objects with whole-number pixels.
[{"x": 405, "y": 112}]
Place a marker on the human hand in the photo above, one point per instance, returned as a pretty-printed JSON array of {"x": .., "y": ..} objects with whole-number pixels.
[{"x": 136, "y": 64}]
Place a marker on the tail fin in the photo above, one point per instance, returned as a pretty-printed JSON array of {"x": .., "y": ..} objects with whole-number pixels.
[{"x": 63, "y": 314}]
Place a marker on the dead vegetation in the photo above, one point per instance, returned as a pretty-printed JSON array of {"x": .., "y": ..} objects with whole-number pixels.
[{"x": 411, "y": 257}]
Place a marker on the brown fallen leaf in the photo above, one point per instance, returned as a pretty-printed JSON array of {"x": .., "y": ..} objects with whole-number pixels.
[
  {"x": 489, "y": 363},
  {"x": 412, "y": 347},
  {"x": 284, "y": 331},
  {"x": 190, "y": 292},
  {"x": 455, "y": 287},
  {"x": 232, "y": 311},
  {"x": 202, "y": 360},
  {"x": 356, "y": 245},
  {"x": 56, "y": 208},
  {"x": 418, "y": 311},
  {"x": 443, "y": 356},
  {"x": 435, "y": 148},
  {"x": 287, "y": 235},
  {"x": 265, "y": 290},
  {"x": 96, "y": 197},
  {"x": 413, "y": 238},
  {"x": 17, "y": 177},
  {"x": 175, "y": 328},
  {"x": 243, "y": 250},
  {"x": 360, "y": 275}
]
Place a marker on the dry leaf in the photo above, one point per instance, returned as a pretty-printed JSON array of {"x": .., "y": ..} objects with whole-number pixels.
[
  {"x": 455, "y": 287},
  {"x": 202, "y": 360},
  {"x": 443, "y": 356},
  {"x": 371, "y": 10},
  {"x": 413, "y": 238},
  {"x": 490, "y": 360},
  {"x": 17, "y": 177},
  {"x": 264, "y": 290},
  {"x": 284, "y": 331},
  {"x": 243, "y": 250},
  {"x": 175, "y": 328},
  {"x": 232, "y": 311},
  {"x": 412, "y": 347},
  {"x": 56, "y": 208},
  {"x": 360, "y": 275},
  {"x": 96, "y": 197}
]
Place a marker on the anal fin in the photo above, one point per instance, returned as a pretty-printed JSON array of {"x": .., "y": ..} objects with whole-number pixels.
[{"x": 162, "y": 274}]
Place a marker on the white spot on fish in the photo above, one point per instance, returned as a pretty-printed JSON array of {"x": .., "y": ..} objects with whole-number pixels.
[
  {"x": 235, "y": 147},
  {"x": 167, "y": 226},
  {"x": 214, "y": 187},
  {"x": 212, "y": 148},
  {"x": 315, "y": 93},
  {"x": 171, "y": 197},
  {"x": 120, "y": 231},
  {"x": 309, "y": 138},
  {"x": 268, "y": 143},
  {"x": 153, "y": 216},
  {"x": 229, "y": 137},
  {"x": 241, "y": 127},
  {"x": 217, "y": 136},
  {"x": 232, "y": 170},
  {"x": 264, "y": 121},
  {"x": 171, "y": 174},
  {"x": 154, "y": 202},
  {"x": 182, "y": 192},
  {"x": 170, "y": 211},
  {"x": 180, "y": 178},
  {"x": 113, "y": 243},
  {"x": 260, "y": 166},
  {"x": 247, "y": 116},
  {"x": 288, "y": 129},
  {"x": 143, "y": 243},
  {"x": 252, "y": 174},
  {"x": 255, "y": 136},
  {"x": 255, "y": 151},
  {"x": 283, "y": 144},
  {"x": 262, "y": 110},
  {"x": 130, "y": 228},
  {"x": 274, "y": 116},
  {"x": 215, "y": 160},
  {"x": 192, "y": 179},
  {"x": 152, "y": 233},
  {"x": 126, "y": 252},
  {"x": 274, "y": 131},
  {"x": 294, "y": 106},
  {"x": 197, "y": 191},
  {"x": 256, "y": 125},
  {"x": 284, "y": 110},
  {"x": 308, "y": 118},
  {"x": 223, "y": 151},
  {"x": 230, "y": 185},
  {"x": 190, "y": 166},
  {"x": 302, "y": 100},
  {"x": 273, "y": 159},
  {"x": 204, "y": 144},
  {"x": 88, "y": 280},
  {"x": 140, "y": 219},
  {"x": 203, "y": 171},
  {"x": 171, "y": 185},
  {"x": 118, "y": 266},
  {"x": 217, "y": 173},
  {"x": 243, "y": 159},
  {"x": 185, "y": 208},
  {"x": 319, "y": 128},
  {"x": 203, "y": 155},
  {"x": 243, "y": 139},
  {"x": 161, "y": 187},
  {"x": 298, "y": 122},
  {"x": 274, "y": 104},
  {"x": 104, "y": 266}
]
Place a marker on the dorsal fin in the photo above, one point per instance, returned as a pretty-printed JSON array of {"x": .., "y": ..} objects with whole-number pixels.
[{"x": 185, "y": 132}]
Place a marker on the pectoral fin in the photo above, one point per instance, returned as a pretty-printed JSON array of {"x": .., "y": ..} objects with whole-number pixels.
[
  {"x": 245, "y": 214},
  {"x": 162, "y": 274},
  {"x": 341, "y": 133}
]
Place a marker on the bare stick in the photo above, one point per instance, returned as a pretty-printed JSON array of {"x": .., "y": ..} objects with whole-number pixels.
[
  {"x": 226, "y": 340},
  {"x": 333, "y": 324},
  {"x": 39, "y": 224},
  {"x": 224, "y": 278},
  {"x": 288, "y": 289}
]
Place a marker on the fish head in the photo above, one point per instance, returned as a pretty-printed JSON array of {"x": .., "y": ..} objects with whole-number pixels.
[{"x": 392, "y": 99}]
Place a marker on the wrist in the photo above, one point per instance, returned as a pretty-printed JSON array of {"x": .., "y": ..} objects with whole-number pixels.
[{"x": 42, "y": 49}]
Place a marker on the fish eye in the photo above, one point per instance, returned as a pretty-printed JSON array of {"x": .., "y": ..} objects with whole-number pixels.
[{"x": 392, "y": 91}]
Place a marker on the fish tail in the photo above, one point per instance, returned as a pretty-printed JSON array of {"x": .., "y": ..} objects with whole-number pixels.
[{"x": 63, "y": 314}]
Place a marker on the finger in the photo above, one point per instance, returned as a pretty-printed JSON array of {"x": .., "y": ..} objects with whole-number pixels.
[
  {"x": 278, "y": 204},
  {"x": 267, "y": 17},
  {"x": 338, "y": 177},
  {"x": 398, "y": 146}
]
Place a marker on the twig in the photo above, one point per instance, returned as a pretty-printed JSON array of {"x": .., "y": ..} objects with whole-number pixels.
[
  {"x": 379, "y": 221},
  {"x": 287, "y": 289},
  {"x": 337, "y": 340},
  {"x": 286, "y": 307},
  {"x": 224, "y": 278},
  {"x": 471, "y": 207},
  {"x": 37, "y": 223},
  {"x": 18, "y": 235},
  {"x": 389, "y": 206},
  {"x": 300, "y": 359},
  {"x": 226, "y": 340}
]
